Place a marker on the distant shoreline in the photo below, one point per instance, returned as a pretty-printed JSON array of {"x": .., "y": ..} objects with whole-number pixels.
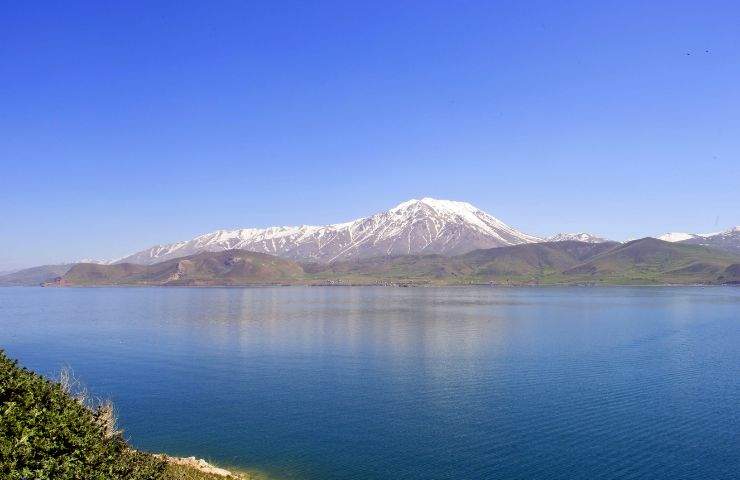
[
  {"x": 646, "y": 261},
  {"x": 410, "y": 285}
]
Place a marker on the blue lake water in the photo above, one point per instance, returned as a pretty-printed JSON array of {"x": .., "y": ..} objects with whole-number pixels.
[{"x": 416, "y": 383}]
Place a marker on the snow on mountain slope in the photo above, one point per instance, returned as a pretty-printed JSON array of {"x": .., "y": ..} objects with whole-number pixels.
[
  {"x": 577, "y": 237},
  {"x": 416, "y": 226},
  {"x": 676, "y": 236},
  {"x": 92, "y": 260},
  {"x": 682, "y": 237},
  {"x": 729, "y": 240}
]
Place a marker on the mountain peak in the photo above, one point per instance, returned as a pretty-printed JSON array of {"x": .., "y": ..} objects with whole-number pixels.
[
  {"x": 415, "y": 226},
  {"x": 682, "y": 237},
  {"x": 436, "y": 204},
  {"x": 676, "y": 236},
  {"x": 728, "y": 240},
  {"x": 577, "y": 237}
]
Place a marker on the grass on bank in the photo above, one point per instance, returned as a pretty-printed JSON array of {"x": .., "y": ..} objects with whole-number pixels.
[{"x": 50, "y": 432}]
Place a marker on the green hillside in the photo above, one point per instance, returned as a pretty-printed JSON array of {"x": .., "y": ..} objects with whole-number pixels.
[
  {"x": 531, "y": 260},
  {"x": 405, "y": 268},
  {"x": 649, "y": 260},
  {"x": 644, "y": 261},
  {"x": 34, "y": 275},
  {"x": 731, "y": 274},
  {"x": 231, "y": 267}
]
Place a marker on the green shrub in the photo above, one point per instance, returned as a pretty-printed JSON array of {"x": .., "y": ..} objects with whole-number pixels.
[{"x": 45, "y": 433}]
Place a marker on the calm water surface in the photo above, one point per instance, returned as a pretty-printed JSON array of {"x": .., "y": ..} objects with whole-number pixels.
[{"x": 381, "y": 383}]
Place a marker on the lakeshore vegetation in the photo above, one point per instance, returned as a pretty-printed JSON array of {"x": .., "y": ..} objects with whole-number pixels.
[{"x": 48, "y": 432}]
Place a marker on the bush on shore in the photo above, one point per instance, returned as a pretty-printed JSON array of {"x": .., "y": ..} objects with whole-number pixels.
[{"x": 46, "y": 433}]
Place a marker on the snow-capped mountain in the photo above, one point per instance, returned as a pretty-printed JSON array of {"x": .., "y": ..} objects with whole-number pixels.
[
  {"x": 678, "y": 236},
  {"x": 577, "y": 237},
  {"x": 92, "y": 260},
  {"x": 416, "y": 226},
  {"x": 728, "y": 240},
  {"x": 682, "y": 237}
]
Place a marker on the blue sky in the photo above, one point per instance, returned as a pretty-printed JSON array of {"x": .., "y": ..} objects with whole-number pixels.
[{"x": 131, "y": 124}]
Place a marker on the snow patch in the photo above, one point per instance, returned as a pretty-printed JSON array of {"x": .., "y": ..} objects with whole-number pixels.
[
  {"x": 577, "y": 237},
  {"x": 676, "y": 236}
]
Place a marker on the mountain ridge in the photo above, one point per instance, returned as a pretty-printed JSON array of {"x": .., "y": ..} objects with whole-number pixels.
[
  {"x": 643, "y": 261},
  {"x": 229, "y": 267},
  {"x": 578, "y": 237},
  {"x": 415, "y": 226},
  {"x": 729, "y": 240},
  {"x": 34, "y": 275}
]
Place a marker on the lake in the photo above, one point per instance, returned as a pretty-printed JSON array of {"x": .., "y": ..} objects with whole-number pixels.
[{"x": 406, "y": 383}]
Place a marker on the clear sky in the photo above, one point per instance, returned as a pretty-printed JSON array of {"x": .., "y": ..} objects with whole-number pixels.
[{"x": 126, "y": 124}]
